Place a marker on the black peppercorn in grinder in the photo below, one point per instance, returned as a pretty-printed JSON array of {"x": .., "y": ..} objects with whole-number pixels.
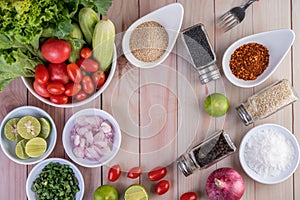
[{"x": 199, "y": 48}]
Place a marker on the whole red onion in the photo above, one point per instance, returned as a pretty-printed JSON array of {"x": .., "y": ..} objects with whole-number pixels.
[{"x": 225, "y": 184}]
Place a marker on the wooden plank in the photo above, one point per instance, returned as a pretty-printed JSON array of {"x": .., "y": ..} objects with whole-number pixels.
[
  {"x": 13, "y": 175},
  {"x": 195, "y": 125},
  {"x": 296, "y": 83},
  {"x": 121, "y": 98},
  {"x": 232, "y": 124},
  {"x": 158, "y": 116},
  {"x": 263, "y": 21}
]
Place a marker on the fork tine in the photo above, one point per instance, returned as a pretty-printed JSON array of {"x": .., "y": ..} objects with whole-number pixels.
[
  {"x": 223, "y": 17},
  {"x": 227, "y": 21},
  {"x": 222, "y": 21},
  {"x": 233, "y": 24}
]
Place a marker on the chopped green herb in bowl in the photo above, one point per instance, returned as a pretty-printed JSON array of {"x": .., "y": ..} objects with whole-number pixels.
[{"x": 55, "y": 178}]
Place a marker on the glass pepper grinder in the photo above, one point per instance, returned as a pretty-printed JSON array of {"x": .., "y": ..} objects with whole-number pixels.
[
  {"x": 196, "y": 40},
  {"x": 267, "y": 101},
  {"x": 205, "y": 154}
]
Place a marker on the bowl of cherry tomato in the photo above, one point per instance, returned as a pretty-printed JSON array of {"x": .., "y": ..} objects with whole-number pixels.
[{"x": 66, "y": 84}]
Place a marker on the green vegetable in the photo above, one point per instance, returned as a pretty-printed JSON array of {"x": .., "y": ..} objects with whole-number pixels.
[
  {"x": 103, "y": 43},
  {"x": 24, "y": 24},
  {"x": 87, "y": 21},
  {"x": 76, "y": 43},
  {"x": 216, "y": 105},
  {"x": 56, "y": 181}
]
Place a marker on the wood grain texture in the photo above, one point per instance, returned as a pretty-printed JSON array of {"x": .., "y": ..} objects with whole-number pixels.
[
  {"x": 160, "y": 110},
  {"x": 12, "y": 175}
]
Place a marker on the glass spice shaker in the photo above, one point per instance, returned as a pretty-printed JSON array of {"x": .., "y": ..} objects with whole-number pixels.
[
  {"x": 196, "y": 40},
  {"x": 267, "y": 101},
  {"x": 205, "y": 154}
]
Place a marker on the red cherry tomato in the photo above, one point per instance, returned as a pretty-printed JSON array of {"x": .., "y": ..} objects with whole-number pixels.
[
  {"x": 59, "y": 99},
  {"x": 86, "y": 52},
  {"x": 72, "y": 89},
  {"x": 87, "y": 85},
  {"x": 157, "y": 173},
  {"x": 162, "y": 187},
  {"x": 41, "y": 89},
  {"x": 58, "y": 72},
  {"x": 134, "y": 172},
  {"x": 81, "y": 96},
  {"x": 41, "y": 74},
  {"x": 99, "y": 79},
  {"x": 114, "y": 173},
  {"x": 74, "y": 72},
  {"x": 189, "y": 196},
  {"x": 88, "y": 65},
  {"x": 56, "y": 88},
  {"x": 55, "y": 50}
]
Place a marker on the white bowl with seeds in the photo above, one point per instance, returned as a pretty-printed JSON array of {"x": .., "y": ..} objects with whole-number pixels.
[
  {"x": 149, "y": 40},
  {"x": 27, "y": 148}
]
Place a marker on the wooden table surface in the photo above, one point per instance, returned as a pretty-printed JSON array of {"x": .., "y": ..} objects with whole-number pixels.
[{"x": 160, "y": 110}]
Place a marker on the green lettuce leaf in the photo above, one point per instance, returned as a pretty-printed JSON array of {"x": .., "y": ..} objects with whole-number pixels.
[{"x": 100, "y": 6}]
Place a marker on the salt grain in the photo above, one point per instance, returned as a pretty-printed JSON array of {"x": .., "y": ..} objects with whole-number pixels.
[{"x": 269, "y": 153}]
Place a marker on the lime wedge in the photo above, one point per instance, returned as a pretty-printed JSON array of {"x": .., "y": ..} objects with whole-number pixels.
[
  {"x": 45, "y": 130},
  {"x": 20, "y": 149},
  {"x": 136, "y": 192},
  {"x": 10, "y": 130},
  {"x": 36, "y": 147},
  {"x": 28, "y": 127}
]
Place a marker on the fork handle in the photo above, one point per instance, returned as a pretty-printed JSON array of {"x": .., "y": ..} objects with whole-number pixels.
[{"x": 249, "y": 3}]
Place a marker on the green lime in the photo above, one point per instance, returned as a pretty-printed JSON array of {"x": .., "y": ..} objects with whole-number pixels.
[
  {"x": 45, "y": 128},
  {"x": 36, "y": 147},
  {"x": 20, "y": 149},
  {"x": 136, "y": 192},
  {"x": 105, "y": 192},
  {"x": 10, "y": 130},
  {"x": 216, "y": 105},
  {"x": 28, "y": 127}
]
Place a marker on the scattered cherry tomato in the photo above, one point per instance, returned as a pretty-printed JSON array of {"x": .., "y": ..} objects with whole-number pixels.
[
  {"x": 87, "y": 85},
  {"x": 134, "y": 172},
  {"x": 162, "y": 187},
  {"x": 189, "y": 196},
  {"x": 41, "y": 89},
  {"x": 88, "y": 65},
  {"x": 58, "y": 72},
  {"x": 41, "y": 74},
  {"x": 56, "y": 88},
  {"x": 99, "y": 79},
  {"x": 157, "y": 173},
  {"x": 114, "y": 173},
  {"x": 74, "y": 72},
  {"x": 72, "y": 89},
  {"x": 59, "y": 99},
  {"x": 55, "y": 50},
  {"x": 86, "y": 52},
  {"x": 81, "y": 96}
]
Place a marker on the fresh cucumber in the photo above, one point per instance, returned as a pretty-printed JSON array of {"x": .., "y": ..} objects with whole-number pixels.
[
  {"x": 88, "y": 19},
  {"x": 103, "y": 43},
  {"x": 76, "y": 46}
]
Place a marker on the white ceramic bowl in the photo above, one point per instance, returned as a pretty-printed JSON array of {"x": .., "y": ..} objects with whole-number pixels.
[
  {"x": 8, "y": 147},
  {"x": 278, "y": 43},
  {"x": 284, "y": 175},
  {"x": 34, "y": 173},
  {"x": 68, "y": 144},
  {"x": 29, "y": 85},
  {"x": 170, "y": 17}
]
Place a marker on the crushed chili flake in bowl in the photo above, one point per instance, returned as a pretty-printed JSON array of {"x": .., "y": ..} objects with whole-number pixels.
[{"x": 249, "y": 61}]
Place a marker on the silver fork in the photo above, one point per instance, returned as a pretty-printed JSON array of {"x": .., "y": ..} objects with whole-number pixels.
[{"x": 233, "y": 17}]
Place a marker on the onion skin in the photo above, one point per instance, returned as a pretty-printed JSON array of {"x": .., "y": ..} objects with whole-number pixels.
[{"x": 225, "y": 184}]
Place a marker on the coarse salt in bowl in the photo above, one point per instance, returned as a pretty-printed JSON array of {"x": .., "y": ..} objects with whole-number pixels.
[
  {"x": 91, "y": 137},
  {"x": 284, "y": 158}
]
